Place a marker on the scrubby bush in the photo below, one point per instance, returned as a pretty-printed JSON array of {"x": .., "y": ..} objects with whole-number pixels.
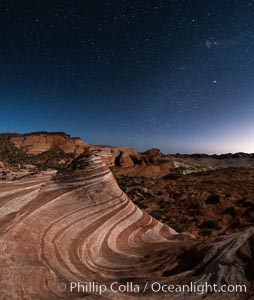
[
  {"x": 156, "y": 214},
  {"x": 213, "y": 199},
  {"x": 211, "y": 224},
  {"x": 206, "y": 232},
  {"x": 245, "y": 202},
  {"x": 230, "y": 211},
  {"x": 141, "y": 205},
  {"x": 177, "y": 226}
]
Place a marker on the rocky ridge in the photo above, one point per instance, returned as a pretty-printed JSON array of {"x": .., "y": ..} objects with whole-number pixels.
[
  {"x": 57, "y": 149},
  {"x": 39, "y": 142}
]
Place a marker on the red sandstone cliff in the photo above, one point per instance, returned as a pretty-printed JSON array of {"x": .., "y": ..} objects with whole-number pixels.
[{"x": 38, "y": 142}]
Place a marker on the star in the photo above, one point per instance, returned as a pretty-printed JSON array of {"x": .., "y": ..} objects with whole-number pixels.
[{"x": 115, "y": 62}]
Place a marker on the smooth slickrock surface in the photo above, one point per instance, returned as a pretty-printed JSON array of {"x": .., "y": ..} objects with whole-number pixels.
[{"x": 80, "y": 226}]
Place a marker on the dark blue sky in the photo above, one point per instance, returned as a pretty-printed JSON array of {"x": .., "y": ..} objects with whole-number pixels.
[{"x": 177, "y": 75}]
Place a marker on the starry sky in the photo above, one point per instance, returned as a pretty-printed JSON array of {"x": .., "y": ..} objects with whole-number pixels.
[{"x": 175, "y": 75}]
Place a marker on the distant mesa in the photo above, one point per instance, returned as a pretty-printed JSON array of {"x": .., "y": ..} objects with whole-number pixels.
[
  {"x": 57, "y": 149},
  {"x": 38, "y": 142}
]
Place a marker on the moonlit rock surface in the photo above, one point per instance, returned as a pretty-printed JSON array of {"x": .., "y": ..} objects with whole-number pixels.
[
  {"x": 79, "y": 226},
  {"x": 39, "y": 142}
]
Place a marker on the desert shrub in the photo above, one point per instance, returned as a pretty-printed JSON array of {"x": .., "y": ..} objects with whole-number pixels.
[
  {"x": 248, "y": 203},
  {"x": 230, "y": 211},
  {"x": 168, "y": 218},
  {"x": 195, "y": 219},
  {"x": 172, "y": 176},
  {"x": 213, "y": 199},
  {"x": 163, "y": 204},
  {"x": 251, "y": 205},
  {"x": 206, "y": 232},
  {"x": 5, "y": 172},
  {"x": 156, "y": 214},
  {"x": 10, "y": 153},
  {"x": 177, "y": 226},
  {"x": 141, "y": 205},
  {"x": 211, "y": 224},
  {"x": 245, "y": 202}
]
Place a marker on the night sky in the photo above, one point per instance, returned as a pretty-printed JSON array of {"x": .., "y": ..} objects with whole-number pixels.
[{"x": 175, "y": 75}]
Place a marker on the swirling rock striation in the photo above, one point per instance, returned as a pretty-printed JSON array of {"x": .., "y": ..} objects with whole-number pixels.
[{"x": 78, "y": 226}]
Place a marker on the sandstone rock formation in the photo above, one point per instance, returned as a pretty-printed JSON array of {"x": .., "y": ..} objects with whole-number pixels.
[
  {"x": 120, "y": 156},
  {"x": 38, "y": 142},
  {"x": 127, "y": 161},
  {"x": 78, "y": 226},
  {"x": 153, "y": 154},
  {"x": 56, "y": 149}
]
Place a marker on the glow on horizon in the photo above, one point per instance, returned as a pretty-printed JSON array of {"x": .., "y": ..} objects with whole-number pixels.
[{"x": 230, "y": 138}]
